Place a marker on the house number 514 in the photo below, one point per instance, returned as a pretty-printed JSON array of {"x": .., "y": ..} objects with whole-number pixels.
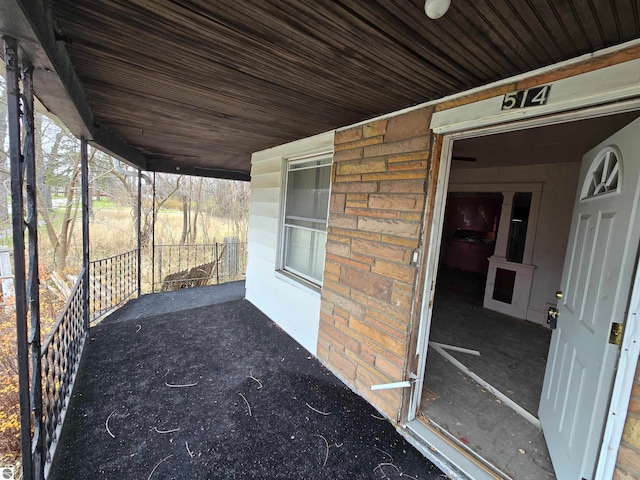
[{"x": 532, "y": 97}]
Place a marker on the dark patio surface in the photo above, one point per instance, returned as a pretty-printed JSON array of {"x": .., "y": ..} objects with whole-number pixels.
[{"x": 174, "y": 384}]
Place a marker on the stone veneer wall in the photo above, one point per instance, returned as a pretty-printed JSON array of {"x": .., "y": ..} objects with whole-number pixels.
[
  {"x": 377, "y": 202},
  {"x": 375, "y": 223}
]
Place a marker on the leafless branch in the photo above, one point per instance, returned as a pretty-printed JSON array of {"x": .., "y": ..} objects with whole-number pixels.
[
  {"x": 388, "y": 464},
  {"x": 157, "y": 465},
  {"x": 385, "y": 464},
  {"x": 106, "y": 423},
  {"x": 318, "y": 411},
  {"x": 173, "y": 385},
  {"x": 256, "y": 380},
  {"x": 166, "y": 431},
  {"x": 326, "y": 456},
  {"x": 191, "y": 454},
  {"x": 387, "y": 454},
  {"x": 245, "y": 401}
]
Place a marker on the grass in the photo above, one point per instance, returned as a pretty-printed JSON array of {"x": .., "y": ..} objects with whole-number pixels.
[
  {"x": 112, "y": 231},
  {"x": 105, "y": 203}
]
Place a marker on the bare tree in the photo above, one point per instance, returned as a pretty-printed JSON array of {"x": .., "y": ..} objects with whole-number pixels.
[
  {"x": 61, "y": 239},
  {"x": 232, "y": 198},
  {"x": 191, "y": 206}
]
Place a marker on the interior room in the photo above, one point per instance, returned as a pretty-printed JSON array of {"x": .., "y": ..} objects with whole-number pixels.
[{"x": 506, "y": 224}]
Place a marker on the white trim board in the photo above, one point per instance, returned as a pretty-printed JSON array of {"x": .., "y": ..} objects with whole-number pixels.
[
  {"x": 442, "y": 453},
  {"x": 606, "y": 85},
  {"x": 624, "y": 377}
]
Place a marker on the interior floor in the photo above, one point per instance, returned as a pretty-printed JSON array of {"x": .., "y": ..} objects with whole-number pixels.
[{"x": 512, "y": 359}]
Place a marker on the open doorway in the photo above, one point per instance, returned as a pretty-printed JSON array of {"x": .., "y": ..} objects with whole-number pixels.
[
  {"x": 470, "y": 227},
  {"x": 488, "y": 333}
]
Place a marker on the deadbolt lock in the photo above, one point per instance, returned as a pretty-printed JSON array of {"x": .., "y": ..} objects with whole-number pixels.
[
  {"x": 552, "y": 317},
  {"x": 559, "y": 294},
  {"x": 615, "y": 337}
]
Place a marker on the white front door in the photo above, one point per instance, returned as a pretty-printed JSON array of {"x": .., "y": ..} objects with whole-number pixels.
[{"x": 596, "y": 282}]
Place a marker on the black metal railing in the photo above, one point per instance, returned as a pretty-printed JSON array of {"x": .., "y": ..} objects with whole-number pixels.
[
  {"x": 60, "y": 356},
  {"x": 112, "y": 281},
  {"x": 186, "y": 266}
]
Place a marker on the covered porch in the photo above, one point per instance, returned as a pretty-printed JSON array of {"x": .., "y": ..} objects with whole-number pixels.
[
  {"x": 173, "y": 387},
  {"x": 198, "y": 383}
]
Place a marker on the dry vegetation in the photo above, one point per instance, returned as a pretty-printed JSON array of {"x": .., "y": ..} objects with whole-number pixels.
[{"x": 111, "y": 232}]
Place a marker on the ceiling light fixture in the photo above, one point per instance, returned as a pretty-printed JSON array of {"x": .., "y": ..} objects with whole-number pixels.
[{"x": 436, "y": 8}]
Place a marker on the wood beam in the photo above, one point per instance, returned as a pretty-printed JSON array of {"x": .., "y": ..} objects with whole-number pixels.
[{"x": 156, "y": 165}]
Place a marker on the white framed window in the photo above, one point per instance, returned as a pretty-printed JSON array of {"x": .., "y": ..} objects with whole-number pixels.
[{"x": 304, "y": 218}]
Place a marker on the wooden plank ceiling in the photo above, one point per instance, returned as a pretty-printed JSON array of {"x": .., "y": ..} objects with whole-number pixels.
[{"x": 200, "y": 83}]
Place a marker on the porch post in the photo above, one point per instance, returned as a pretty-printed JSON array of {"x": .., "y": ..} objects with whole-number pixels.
[
  {"x": 153, "y": 236},
  {"x": 33, "y": 280},
  {"x": 17, "y": 210},
  {"x": 84, "y": 161},
  {"x": 139, "y": 231}
]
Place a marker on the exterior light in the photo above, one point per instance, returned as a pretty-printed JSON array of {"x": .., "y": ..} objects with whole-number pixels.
[{"x": 436, "y": 8}]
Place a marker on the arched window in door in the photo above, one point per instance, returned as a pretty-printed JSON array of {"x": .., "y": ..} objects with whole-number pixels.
[{"x": 604, "y": 175}]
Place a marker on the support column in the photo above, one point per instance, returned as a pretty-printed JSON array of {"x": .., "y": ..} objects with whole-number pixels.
[
  {"x": 139, "y": 231},
  {"x": 33, "y": 279},
  {"x": 153, "y": 236},
  {"x": 84, "y": 165},
  {"x": 502, "y": 240},
  {"x": 19, "y": 266}
]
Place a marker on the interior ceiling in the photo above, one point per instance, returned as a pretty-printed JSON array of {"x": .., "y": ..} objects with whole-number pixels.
[
  {"x": 206, "y": 83},
  {"x": 561, "y": 143}
]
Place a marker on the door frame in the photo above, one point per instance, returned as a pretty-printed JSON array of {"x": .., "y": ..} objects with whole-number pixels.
[{"x": 483, "y": 125}]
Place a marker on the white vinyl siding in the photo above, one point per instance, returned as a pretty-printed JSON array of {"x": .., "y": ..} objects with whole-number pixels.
[{"x": 292, "y": 305}]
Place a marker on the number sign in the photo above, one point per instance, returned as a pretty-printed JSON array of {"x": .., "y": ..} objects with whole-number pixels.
[{"x": 532, "y": 97}]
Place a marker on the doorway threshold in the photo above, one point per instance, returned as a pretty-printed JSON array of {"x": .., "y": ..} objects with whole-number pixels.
[{"x": 451, "y": 456}]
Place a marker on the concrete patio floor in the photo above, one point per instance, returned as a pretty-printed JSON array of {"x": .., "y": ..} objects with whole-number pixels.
[{"x": 199, "y": 384}]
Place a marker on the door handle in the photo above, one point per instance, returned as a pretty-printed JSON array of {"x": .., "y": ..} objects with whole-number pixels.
[{"x": 552, "y": 317}]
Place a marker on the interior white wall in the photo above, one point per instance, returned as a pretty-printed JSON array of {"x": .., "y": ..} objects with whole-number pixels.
[
  {"x": 554, "y": 220},
  {"x": 294, "y": 307}
]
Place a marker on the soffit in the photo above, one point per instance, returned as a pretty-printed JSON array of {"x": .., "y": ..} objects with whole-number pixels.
[{"x": 195, "y": 83}]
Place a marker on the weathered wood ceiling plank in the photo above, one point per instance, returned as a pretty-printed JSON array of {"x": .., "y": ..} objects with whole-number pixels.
[
  {"x": 432, "y": 39},
  {"x": 585, "y": 37},
  {"x": 480, "y": 41},
  {"x": 548, "y": 20},
  {"x": 202, "y": 84},
  {"x": 626, "y": 13},
  {"x": 604, "y": 14},
  {"x": 504, "y": 28}
]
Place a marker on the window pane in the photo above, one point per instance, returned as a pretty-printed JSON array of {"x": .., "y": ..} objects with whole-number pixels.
[
  {"x": 518, "y": 226},
  {"x": 308, "y": 193},
  {"x": 304, "y": 252}
]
